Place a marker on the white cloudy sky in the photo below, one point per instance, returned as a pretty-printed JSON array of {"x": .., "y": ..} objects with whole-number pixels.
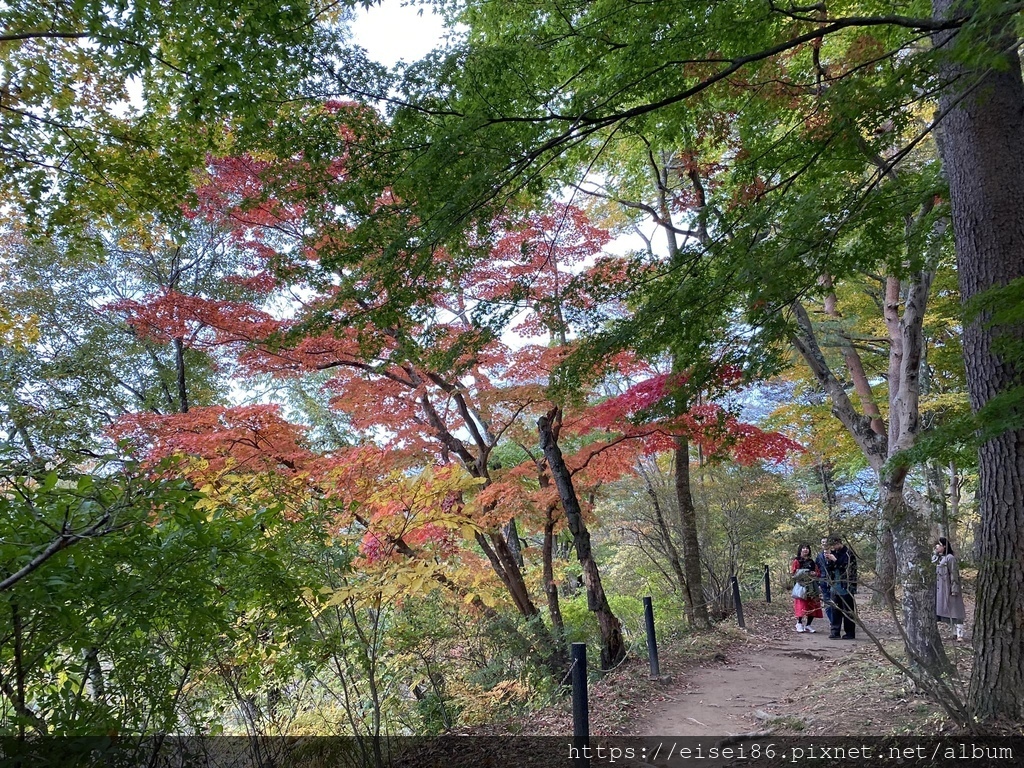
[{"x": 394, "y": 30}]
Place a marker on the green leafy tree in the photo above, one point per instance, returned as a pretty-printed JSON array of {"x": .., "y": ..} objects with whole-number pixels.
[
  {"x": 111, "y": 105},
  {"x": 114, "y": 584}
]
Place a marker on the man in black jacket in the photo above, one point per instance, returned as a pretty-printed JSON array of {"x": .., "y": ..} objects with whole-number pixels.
[{"x": 841, "y": 577}]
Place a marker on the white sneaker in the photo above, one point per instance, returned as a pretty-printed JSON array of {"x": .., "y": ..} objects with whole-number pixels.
[
  {"x": 799, "y": 627},
  {"x": 809, "y": 628}
]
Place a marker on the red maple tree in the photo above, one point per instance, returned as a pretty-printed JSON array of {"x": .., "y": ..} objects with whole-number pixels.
[{"x": 431, "y": 388}]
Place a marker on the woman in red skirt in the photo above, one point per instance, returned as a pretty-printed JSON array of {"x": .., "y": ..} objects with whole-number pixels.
[{"x": 806, "y": 607}]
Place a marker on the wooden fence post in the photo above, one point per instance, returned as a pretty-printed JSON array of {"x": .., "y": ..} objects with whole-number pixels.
[
  {"x": 652, "y": 642},
  {"x": 738, "y": 602}
]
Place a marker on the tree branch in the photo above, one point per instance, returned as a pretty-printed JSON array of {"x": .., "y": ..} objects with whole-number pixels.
[{"x": 872, "y": 444}]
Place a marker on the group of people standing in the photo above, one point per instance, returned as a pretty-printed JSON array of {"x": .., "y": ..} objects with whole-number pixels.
[{"x": 830, "y": 580}]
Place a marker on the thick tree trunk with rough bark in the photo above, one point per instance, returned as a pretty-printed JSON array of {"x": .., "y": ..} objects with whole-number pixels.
[
  {"x": 696, "y": 606},
  {"x": 613, "y": 646},
  {"x": 982, "y": 132}
]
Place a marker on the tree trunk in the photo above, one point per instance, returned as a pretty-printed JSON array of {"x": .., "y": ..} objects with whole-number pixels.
[
  {"x": 828, "y": 490},
  {"x": 696, "y": 607},
  {"x": 665, "y": 533},
  {"x": 937, "y": 490},
  {"x": 982, "y": 147},
  {"x": 550, "y": 586},
  {"x": 548, "y": 559},
  {"x": 19, "y": 666},
  {"x": 613, "y": 647},
  {"x": 885, "y": 564},
  {"x": 954, "y": 499},
  {"x": 504, "y": 564},
  {"x": 179, "y": 369},
  {"x": 911, "y": 539},
  {"x": 515, "y": 544}
]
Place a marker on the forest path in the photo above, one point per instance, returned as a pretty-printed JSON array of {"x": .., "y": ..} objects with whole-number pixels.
[
  {"x": 729, "y": 682},
  {"x": 748, "y": 687}
]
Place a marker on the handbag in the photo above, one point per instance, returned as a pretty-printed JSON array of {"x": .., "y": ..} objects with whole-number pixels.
[{"x": 799, "y": 591}]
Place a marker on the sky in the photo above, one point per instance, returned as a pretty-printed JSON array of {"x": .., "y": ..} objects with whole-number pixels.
[{"x": 395, "y": 30}]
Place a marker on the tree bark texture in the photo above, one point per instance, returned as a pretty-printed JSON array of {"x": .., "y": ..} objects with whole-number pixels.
[
  {"x": 696, "y": 606},
  {"x": 885, "y": 563},
  {"x": 613, "y": 646},
  {"x": 911, "y": 541},
  {"x": 982, "y": 145}
]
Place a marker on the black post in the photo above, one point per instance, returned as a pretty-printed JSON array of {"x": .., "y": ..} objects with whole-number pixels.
[
  {"x": 739, "y": 604},
  {"x": 767, "y": 585},
  {"x": 652, "y": 642},
  {"x": 580, "y": 708}
]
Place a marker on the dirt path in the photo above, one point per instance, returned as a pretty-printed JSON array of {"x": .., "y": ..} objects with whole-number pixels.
[
  {"x": 746, "y": 689},
  {"x": 765, "y": 678}
]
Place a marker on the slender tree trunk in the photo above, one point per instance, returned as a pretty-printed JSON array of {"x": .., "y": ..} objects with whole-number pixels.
[
  {"x": 854, "y": 365},
  {"x": 954, "y": 499},
  {"x": 515, "y": 545},
  {"x": 95, "y": 673},
  {"x": 550, "y": 585},
  {"x": 19, "y": 666},
  {"x": 696, "y": 607},
  {"x": 665, "y": 533},
  {"x": 937, "y": 494},
  {"x": 613, "y": 647},
  {"x": 828, "y": 489},
  {"x": 548, "y": 558},
  {"x": 982, "y": 145},
  {"x": 179, "y": 368},
  {"x": 504, "y": 564}
]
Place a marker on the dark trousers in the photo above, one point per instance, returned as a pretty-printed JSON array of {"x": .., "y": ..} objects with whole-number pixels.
[{"x": 843, "y": 611}]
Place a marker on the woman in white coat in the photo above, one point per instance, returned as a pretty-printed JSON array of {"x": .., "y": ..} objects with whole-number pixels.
[{"x": 949, "y": 598}]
